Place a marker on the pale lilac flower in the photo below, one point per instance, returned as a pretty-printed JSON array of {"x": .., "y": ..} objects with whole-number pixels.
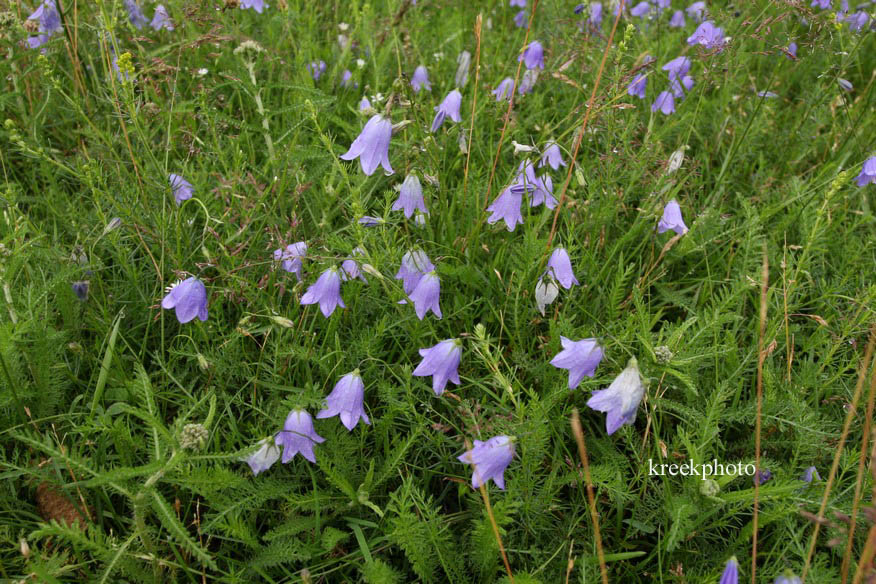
[
  {"x": 372, "y": 145},
  {"x": 637, "y": 86},
  {"x": 533, "y": 56},
  {"x": 426, "y": 295},
  {"x": 552, "y": 156},
  {"x": 161, "y": 19},
  {"x": 868, "y": 172},
  {"x": 464, "y": 61},
  {"x": 448, "y": 108},
  {"x": 369, "y": 221},
  {"x": 520, "y": 20},
  {"x": 621, "y": 399},
  {"x": 530, "y": 76},
  {"x": 845, "y": 84},
  {"x": 441, "y": 362},
  {"x": 672, "y": 219},
  {"x": 49, "y": 23},
  {"x": 420, "y": 79},
  {"x": 263, "y": 458},
  {"x": 677, "y": 67},
  {"x": 316, "y": 69},
  {"x": 504, "y": 90},
  {"x": 546, "y": 291},
  {"x": 257, "y": 5},
  {"x": 731, "y": 572},
  {"x": 665, "y": 102},
  {"x": 560, "y": 266},
  {"x": 543, "y": 193},
  {"x": 350, "y": 269},
  {"x": 580, "y": 358},
  {"x": 595, "y": 19},
  {"x": 507, "y": 208},
  {"x": 822, "y": 4},
  {"x": 767, "y": 94},
  {"x": 677, "y": 20},
  {"x": 810, "y": 474},
  {"x": 787, "y": 578},
  {"x": 346, "y": 400},
  {"x": 762, "y": 476},
  {"x": 414, "y": 265},
  {"x": 291, "y": 258},
  {"x": 678, "y": 89},
  {"x": 189, "y": 299},
  {"x": 347, "y": 79},
  {"x": 410, "y": 197},
  {"x": 182, "y": 189},
  {"x": 489, "y": 460},
  {"x": 857, "y": 21},
  {"x": 697, "y": 11},
  {"x": 135, "y": 14},
  {"x": 708, "y": 35},
  {"x": 663, "y": 5},
  {"x": 326, "y": 291},
  {"x": 298, "y": 435},
  {"x": 640, "y": 10},
  {"x": 364, "y": 104},
  {"x": 518, "y": 3},
  {"x": 792, "y": 50}
]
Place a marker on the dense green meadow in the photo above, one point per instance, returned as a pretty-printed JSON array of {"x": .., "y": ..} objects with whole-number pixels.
[{"x": 125, "y": 433}]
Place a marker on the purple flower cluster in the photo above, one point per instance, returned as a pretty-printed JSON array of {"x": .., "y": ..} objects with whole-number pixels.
[
  {"x": 420, "y": 282},
  {"x": 679, "y": 83},
  {"x": 540, "y": 189},
  {"x": 49, "y": 23}
]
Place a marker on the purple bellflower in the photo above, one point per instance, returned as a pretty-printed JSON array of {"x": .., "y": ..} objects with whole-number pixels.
[
  {"x": 448, "y": 108},
  {"x": 560, "y": 266},
  {"x": 410, "y": 197},
  {"x": 533, "y": 56},
  {"x": 677, "y": 67},
  {"x": 792, "y": 50},
  {"x": 665, "y": 102},
  {"x": 507, "y": 208},
  {"x": 677, "y": 20},
  {"x": 527, "y": 82},
  {"x": 291, "y": 258},
  {"x": 621, "y": 399},
  {"x": 371, "y": 147},
  {"x": 708, "y": 35},
  {"x": 678, "y": 88},
  {"x": 441, "y": 362},
  {"x": 350, "y": 269},
  {"x": 640, "y": 10},
  {"x": 579, "y": 357},
  {"x": 426, "y": 295},
  {"x": 520, "y": 20},
  {"x": 369, "y": 221},
  {"x": 543, "y": 193},
  {"x": 822, "y": 4},
  {"x": 637, "y": 86},
  {"x": 297, "y": 436},
  {"x": 518, "y": 3},
  {"x": 326, "y": 291},
  {"x": 845, "y": 84},
  {"x": 135, "y": 14},
  {"x": 257, "y": 5},
  {"x": 810, "y": 474},
  {"x": 787, "y": 578},
  {"x": 552, "y": 156},
  {"x": 420, "y": 79},
  {"x": 182, "y": 189},
  {"x": 414, "y": 265},
  {"x": 189, "y": 299},
  {"x": 316, "y": 69},
  {"x": 762, "y": 476},
  {"x": 672, "y": 219},
  {"x": 504, "y": 90},
  {"x": 364, "y": 104},
  {"x": 347, "y": 79},
  {"x": 731, "y": 572},
  {"x": 697, "y": 11},
  {"x": 857, "y": 21},
  {"x": 263, "y": 458},
  {"x": 489, "y": 460},
  {"x": 868, "y": 172},
  {"x": 595, "y": 19},
  {"x": 49, "y": 23},
  {"x": 346, "y": 400},
  {"x": 161, "y": 19}
]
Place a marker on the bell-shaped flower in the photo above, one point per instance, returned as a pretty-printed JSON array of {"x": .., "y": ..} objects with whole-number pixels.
[
  {"x": 822, "y": 4},
  {"x": 672, "y": 219},
  {"x": 731, "y": 572},
  {"x": 595, "y": 19},
  {"x": 517, "y": 3},
  {"x": 182, "y": 189},
  {"x": 707, "y": 35},
  {"x": 868, "y": 172},
  {"x": 810, "y": 474},
  {"x": 543, "y": 193},
  {"x": 489, "y": 460},
  {"x": 410, "y": 197},
  {"x": 316, "y": 69},
  {"x": 49, "y": 23},
  {"x": 857, "y": 20},
  {"x": 80, "y": 289},
  {"x": 291, "y": 258},
  {"x": 441, "y": 362},
  {"x": 637, "y": 86},
  {"x": 189, "y": 298},
  {"x": 677, "y": 20},
  {"x": 533, "y": 56},
  {"x": 787, "y": 578},
  {"x": 350, "y": 269},
  {"x": 326, "y": 291},
  {"x": 257, "y": 5},
  {"x": 347, "y": 79},
  {"x": 560, "y": 266},
  {"x": 507, "y": 208},
  {"x": 504, "y": 90},
  {"x": 263, "y": 458},
  {"x": 665, "y": 102},
  {"x": 792, "y": 50},
  {"x": 426, "y": 295},
  {"x": 621, "y": 399},
  {"x": 697, "y": 10},
  {"x": 552, "y": 156},
  {"x": 371, "y": 147},
  {"x": 420, "y": 79},
  {"x": 161, "y": 19},
  {"x": 640, "y": 10},
  {"x": 464, "y": 62},
  {"x": 369, "y": 221},
  {"x": 527, "y": 82},
  {"x": 546, "y": 292},
  {"x": 414, "y": 265},
  {"x": 580, "y": 358},
  {"x": 346, "y": 400},
  {"x": 679, "y": 87},
  {"x": 448, "y": 108},
  {"x": 298, "y": 435},
  {"x": 678, "y": 67},
  {"x": 135, "y": 14},
  {"x": 520, "y": 19},
  {"x": 762, "y": 476}
]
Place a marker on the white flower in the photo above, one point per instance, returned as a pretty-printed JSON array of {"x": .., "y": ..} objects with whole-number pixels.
[
  {"x": 621, "y": 399},
  {"x": 263, "y": 458},
  {"x": 343, "y": 26},
  {"x": 545, "y": 293},
  {"x": 518, "y": 148},
  {"x": 360, "y": 63}
]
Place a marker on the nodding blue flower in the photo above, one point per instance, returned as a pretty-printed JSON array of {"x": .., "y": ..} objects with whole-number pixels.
[
  {"x": 579, "y": 8},
  {"x": 665, "y": 102},
  {"x": 182, "y": 189},
  {"x": 426, "y": 295},
  {"x": 707, "y": 35},
  {"x": 291, "y": 258},
  {"x": 326, "y": 291},
  {"x": 369, "y": 221},
  {"x": 552, "y": 156},
  {"x": 410, "y": 197},
  {"x": 298, "y": 435},
  {"x": 80, "y": 288},
  {"x": 533, "y": 56},
  {"x": 49, "y": 23},
  {"x": 263, "y": 458},
  {"x": 527, "y": 82},
  {"x": 868, "y": 172},
  {"x": 257, "y": 5},
  {"x": 448, "y": 108},
  {"x": 792, "y": 50},
  {"x": 346, "y": 400},
  {"x": 347, "y": 79},
  {"x": 441, "y": 362},
  {"x": 822, "y": 4},
  {"x": 520, "y": 20},
  {"x": 518, "y": 3},
  {"x": 560, "y": 266},
  {"x": 371, "y": 147},
  {"x": 595, "y": 19},
  {"x": 316, "y": 69},
  {"x": 697, "y": 11},
  {"x": 762, "y": 476},
  {"x": 364, "y": 104},
  {"x": 677, "y": 67},
  {"x": 414, "y": 265},
  {"x": 672, "y": 219},
  {"x": 135, "y": 14},
  {"x": 845, "y": 84},
  {"x": 731, "y": 572},
  {"x": 507, "y": 208},
  {"x": 489, "y": 460},
  {"x": 464, "y": 62},
  {"x": 579, "y": 357},
  {"x": 350, "y": 269},
  {"x": 637, "y": 86},
  {"x": 621, "y": 399},
  {"x": 788, "y": 578},
  {"x": 504, "y": 90},
  {"x": 420, "y": 79},
  {"x": 189, "y": 299},
  {"x": 857, "y": 21},
  {"x": 677, "y": 20},
  {"x": 640, "y": 10},
  {"x": 543, "y": 193},
  {"x": 810, "y": 474},
  {"x": 678, "y": 89},
  {"x": 161, "y": 19}
]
